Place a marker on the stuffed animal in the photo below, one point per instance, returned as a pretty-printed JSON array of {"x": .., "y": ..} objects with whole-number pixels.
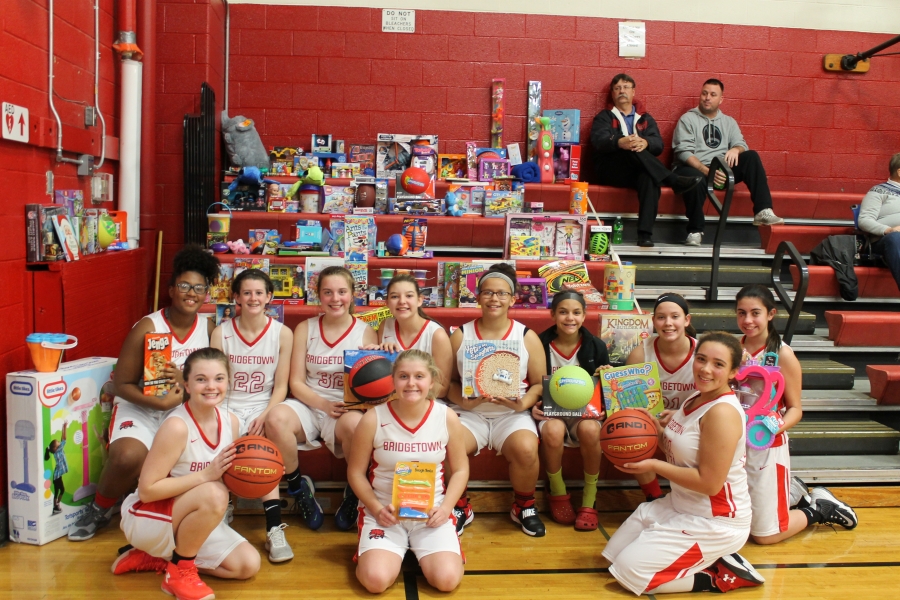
[
  {"x": 313, "y": 176},
  {"x": 238, "y": 247},
  {"x": 456, "y": 206},
  {"x": 243, "y": 142}
]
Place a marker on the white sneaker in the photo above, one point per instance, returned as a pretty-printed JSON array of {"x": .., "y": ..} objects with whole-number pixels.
[
  {"x": 694, "y": 239},
  {"x": 767, "y": 217},
  {"x": 832, "y": 509},
  {"x": 276, "y": 544},
  {"x": 799, "y": 492}
]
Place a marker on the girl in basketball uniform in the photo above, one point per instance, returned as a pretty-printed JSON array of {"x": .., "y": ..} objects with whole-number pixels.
[
  {"x": 410, "y": 328},
  {"x": 317, "y": 381},
  {"x": 672, "y": 348},
  {"x": 414, "y": 427},
  {"x": 175, "y": 520},
  {"x": 62, "y": 467},
  {"x": 136, "y": 418},
  {"x": 568, "y": 342},
  {"x": 259, "y": 355},
  {"x": 769, "y": 471},
  {"x": 498, "y": 423},
  {"x": 687, "y": 541}
]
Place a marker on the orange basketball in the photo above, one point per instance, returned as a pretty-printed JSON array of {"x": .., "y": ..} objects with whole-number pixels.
[
  {"x": 256, "y": 469},
  {"x": 629, "y": 435}
]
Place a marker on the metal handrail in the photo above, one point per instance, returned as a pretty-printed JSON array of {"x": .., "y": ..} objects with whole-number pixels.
[
  {"x": 796, "y": 305},
  {"x": 723, "y": 208},
  {"x": 849, "y": 61}
]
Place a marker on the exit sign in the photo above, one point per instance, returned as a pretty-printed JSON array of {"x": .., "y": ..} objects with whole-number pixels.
[{"x": 15, "y": 123}]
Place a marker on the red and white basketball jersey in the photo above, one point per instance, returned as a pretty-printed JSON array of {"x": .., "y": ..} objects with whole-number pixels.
[
  {"x": 395, "y": 442},
  {"x": 253, "y": 364},
  {"x": 559, "y": 360},
  {"x": 197, "y": 337},
  {"x": 391, "y": 334},
  {"x": 199, "y": 450},
  {"x": 325, "y": 358},
  {"x": 516, "y": 332},
  {"x": 678, "y": 385},
  {"x": 682, "y": 446}
]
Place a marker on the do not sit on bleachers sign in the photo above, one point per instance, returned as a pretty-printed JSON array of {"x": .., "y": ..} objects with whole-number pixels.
[{"x": 396, "y": 20}]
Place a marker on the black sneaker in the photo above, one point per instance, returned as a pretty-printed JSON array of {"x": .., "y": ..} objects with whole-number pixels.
[
  {"x": 683, "y": 184},
  {"x": 464, "y": 515},
  {"x": 306, "y": 504},
  {"x": 348, "y": 512},
  {"x": 832, "y": 509},
  {"x": 94, "y": 518},
  {"x": 529, "y": 520}
]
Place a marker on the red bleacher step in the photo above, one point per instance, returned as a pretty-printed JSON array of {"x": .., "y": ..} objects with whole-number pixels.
[
  {"x": 804, "y": 237},
  {"x": 874, "y": 282},
  {"x": 863, "y": 328},
  {"x": 885, "y": 383}
]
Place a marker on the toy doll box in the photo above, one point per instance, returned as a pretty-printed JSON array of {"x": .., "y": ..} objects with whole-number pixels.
[
  {"x": 78, "y": 396},
  {"x": 491, "y": 368}
]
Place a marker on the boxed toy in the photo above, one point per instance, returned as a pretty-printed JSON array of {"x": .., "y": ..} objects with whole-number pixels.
[
  {"x": 360, "y": 272},
  {"x": 562, "y": 271},
  {"x": 359, "y": 237},
  {"x": 320, "y": 142},
  {"x": 393, "y": 151},
  {"x": 42, "y": 243},
  {"x": 415, "y": 230},
  {"x": 244, "y": 197},
  {"x": 345, "y": 170},
  {"x": 632, "y": 386},
  {"x": 570, "y": 237},
  {"x": 244, "y": 263},
  {"x": 491, "y": 368},
  {"x": 279, "y": 199},
  {"x": 314, "y": 266},
  {"x": 565, "y": 124},
  {"x": 157, "y": 355},
  {"x": 532, "y": 293},
  {"x": 592, "y": 297},
  {"x": 469, "y": 274},
  {"x": 594, "y": 409},
  {"x": 220, "y": 289},
  {"x": 288, "y": 281},
  {"x": 225, "y": 312},
  {"x": 522, "y": 229},
  {"x": 351, "y": 357},
  {"x": 281, "y": 160},
  {"x": 64, "y": 416},
  {"x": 497, "y": 204},
  {"x": 275, "y": 311},
  {"x": 451, "y": 284},
  {"x": 374, "y": 318},
  {"x": 364, "y": 154},
  {"x": 338, "y": 199},
  {"x": 622, "y": 334},
  {"x": 452, "y": 166},
  {"x": 475, "y": 154},
  {"x": 413, "y": 489}
]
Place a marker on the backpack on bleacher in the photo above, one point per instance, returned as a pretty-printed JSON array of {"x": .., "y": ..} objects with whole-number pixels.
[{"x": 838, "y": 252}]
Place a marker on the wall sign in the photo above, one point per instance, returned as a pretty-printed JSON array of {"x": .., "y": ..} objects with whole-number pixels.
[
  {"x": 395, "y": 20},
  {"x": 15, "y": 123}
]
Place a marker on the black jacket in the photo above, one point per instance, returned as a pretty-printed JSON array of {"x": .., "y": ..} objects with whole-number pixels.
[
  {"x": 837, "y": 252},
  {"x": 606, "y": 133},
  {"x": 591, "y": 355}
]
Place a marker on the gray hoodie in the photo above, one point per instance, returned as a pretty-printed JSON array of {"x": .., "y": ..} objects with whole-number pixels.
[{"x": 697, "y": 135}]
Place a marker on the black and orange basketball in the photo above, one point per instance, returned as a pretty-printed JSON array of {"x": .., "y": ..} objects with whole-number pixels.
[
  {"x": 370, "y": 379},
  {"x": 629, "y": 435},
  {"x": 256, "y": 469}
]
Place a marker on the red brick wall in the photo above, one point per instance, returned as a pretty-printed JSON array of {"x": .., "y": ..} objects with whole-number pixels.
[
  {"x": 191, "y": 50},
  {"x": 298, "y": 70},
  {"x": 24, "y": 81}
]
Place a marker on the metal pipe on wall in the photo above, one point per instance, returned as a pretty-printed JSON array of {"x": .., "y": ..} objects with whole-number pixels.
[
  {"x": 97, "y": 84},
  {"x": 59, "y": 134},
  {"x": 146, "y": 28},
  {"x": 130, "y": 121}
]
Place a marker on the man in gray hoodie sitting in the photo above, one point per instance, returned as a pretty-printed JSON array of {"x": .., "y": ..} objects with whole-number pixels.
[
  {"x": 704, "y": 133},
  {"x": 879, "y": 217}
]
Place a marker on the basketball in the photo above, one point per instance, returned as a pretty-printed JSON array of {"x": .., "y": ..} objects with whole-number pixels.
[
  {"x": 571, "y": 387},
  {"x": 414, "y": 180},
  {"x": 599, "y": 243},
  {"x": 397, "y": 245},
  {"x": 370, "y": 379},
  {"x": 629, "y": 435},
  {"x": 256, "y": 469}
]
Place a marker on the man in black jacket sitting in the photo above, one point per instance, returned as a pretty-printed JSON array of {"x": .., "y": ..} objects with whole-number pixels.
[{"x": 626, "y": 145}]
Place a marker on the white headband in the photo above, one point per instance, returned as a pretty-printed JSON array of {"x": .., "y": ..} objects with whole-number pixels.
[{"x": 496, "y": 275}]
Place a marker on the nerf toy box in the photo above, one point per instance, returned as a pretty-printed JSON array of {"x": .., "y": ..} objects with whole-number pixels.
[{"x": 57, "y": 428}]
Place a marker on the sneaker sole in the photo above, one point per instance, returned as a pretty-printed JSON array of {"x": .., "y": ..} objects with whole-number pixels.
[
  {"x": 761, "y": 223},
  {"x": 278, "y": 560},
  {"x": 168, "y": 593},
  {"x": 80, "y": 538},
  {"x": 516, "y": 520},
  {"x": 745, "y": 570},
  {"x": 112, "y": 569}
]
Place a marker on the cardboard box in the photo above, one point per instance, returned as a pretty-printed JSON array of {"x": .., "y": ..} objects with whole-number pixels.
[{"x": 79, "y": 395}]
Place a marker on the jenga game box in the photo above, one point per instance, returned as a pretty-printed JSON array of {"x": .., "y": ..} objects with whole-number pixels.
[{"x": 157, "y": 352}]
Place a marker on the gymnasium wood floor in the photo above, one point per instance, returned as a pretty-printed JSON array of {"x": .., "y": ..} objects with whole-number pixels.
[{"x": 502, "y": 563}]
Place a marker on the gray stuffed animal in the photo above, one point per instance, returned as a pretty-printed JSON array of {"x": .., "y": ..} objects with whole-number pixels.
[{"x": 243, "y": 142}]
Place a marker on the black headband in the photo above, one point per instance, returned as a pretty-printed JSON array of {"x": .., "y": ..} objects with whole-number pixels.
[
  {"x": 569, "y": 295},
  {"x": 675, "y": 298}
]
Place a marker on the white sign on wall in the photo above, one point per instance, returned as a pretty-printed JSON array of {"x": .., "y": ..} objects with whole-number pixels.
[
  {"x": 632, "y": 39},
  {"x": 15, "y": 123},
  {"x": 396, "y": 20}
]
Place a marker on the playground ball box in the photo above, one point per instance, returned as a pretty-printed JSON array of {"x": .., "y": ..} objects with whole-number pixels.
[{"x": 80, "y": 396}]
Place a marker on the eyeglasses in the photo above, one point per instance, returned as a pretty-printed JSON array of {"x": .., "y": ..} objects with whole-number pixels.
[
  {"x": 491, "y": 294},
  {"x": 185, "y": 287},
  {"x": 622, "y": 88}
]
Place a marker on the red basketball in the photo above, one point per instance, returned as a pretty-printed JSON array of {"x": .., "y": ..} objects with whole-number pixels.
[
  {"x": 629, "y": 435},
  {"x": 414, "y": 180},
  {"x": 370, "y": 379},
  {"x": 256, "y": 469}
]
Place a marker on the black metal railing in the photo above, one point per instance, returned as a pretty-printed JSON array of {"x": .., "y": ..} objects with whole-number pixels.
[
  {"x": 199, "y": 166},
  {"x": 794, "y": 306},
  {"x": 723, "y": 208},
  {"x": 849, "y": 61}
]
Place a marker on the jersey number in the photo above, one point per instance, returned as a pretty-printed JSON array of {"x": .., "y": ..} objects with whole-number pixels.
[
  {"x": 331, "y": 381},
  {"x": 251, "y": 383}
]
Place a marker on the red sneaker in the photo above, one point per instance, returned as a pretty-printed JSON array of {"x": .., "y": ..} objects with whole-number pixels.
[
  {"x": 183, "y": 582},
  {"x": 732, "y": 571},
  {"x": 134, "y": 560}
]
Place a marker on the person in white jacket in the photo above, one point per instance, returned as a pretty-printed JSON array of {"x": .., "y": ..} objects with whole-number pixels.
[
  {"x": 704, "y": 133},
  {"x": 879, "y": 217}
]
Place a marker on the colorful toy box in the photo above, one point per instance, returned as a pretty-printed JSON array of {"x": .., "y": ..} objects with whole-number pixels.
[
  {"x": 78, "y": 397},
  {"x": 42, "y": 243},
  {"x": 491, "y": 368},
  {"x": 393, "y": 151},
  {"x": 565, "y": 124}
]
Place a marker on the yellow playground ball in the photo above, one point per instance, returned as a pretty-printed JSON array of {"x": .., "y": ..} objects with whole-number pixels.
[
  {"x": 571, "y": 387},
  {"x": 106, "y": 231}
]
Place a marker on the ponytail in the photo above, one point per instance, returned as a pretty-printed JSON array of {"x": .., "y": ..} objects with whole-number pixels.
[
  {"x": 47, "y": 453},
  {"x": 678, "y": 300},
  {"x": 764, "y": 295}
]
